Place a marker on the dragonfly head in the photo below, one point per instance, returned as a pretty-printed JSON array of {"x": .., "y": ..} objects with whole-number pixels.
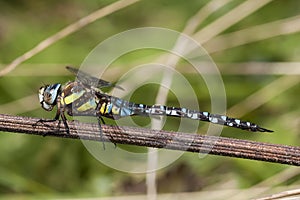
[{"x": 48, "y": 95}]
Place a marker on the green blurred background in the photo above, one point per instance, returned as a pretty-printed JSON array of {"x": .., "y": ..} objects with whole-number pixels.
[{"x": 37, "y": 167}]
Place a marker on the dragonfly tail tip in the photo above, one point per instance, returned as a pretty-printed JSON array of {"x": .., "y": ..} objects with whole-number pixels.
[{"x": 265, "y": 130}]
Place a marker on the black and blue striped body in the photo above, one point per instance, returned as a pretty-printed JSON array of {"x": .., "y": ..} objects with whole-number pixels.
[
  {"x": 125, "y": 108},
  {"x": 79, "y": 98}
]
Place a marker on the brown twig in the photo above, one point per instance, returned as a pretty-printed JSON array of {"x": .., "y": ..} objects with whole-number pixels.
[{"x": 153, "y": 138}]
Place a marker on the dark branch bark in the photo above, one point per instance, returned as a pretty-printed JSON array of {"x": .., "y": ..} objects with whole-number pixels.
[{"x": 152, "y": 138}]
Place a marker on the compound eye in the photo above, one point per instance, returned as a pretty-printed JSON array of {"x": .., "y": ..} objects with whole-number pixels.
[{"x": 48, "y": 95}]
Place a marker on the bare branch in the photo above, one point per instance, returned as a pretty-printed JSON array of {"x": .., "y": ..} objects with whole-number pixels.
[{"x": 155, "y": 138}]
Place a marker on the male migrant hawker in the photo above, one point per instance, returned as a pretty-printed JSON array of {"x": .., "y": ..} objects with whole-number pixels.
[{"x": 84, "y": 97}]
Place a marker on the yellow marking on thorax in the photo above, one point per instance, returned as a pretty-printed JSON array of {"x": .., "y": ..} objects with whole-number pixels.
[
  {"x": 91, "y": 104},
  {"x": 102, "y": 111},
  {"x": 72, "y": 97}
]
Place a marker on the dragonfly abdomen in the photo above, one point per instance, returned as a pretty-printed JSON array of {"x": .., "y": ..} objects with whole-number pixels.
[
  {"x": 113, "y": 107},
  {"x": 140, "y": 109}
]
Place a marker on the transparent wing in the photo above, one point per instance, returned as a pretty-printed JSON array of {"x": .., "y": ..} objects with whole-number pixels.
[{"x": 90, "y": 80}]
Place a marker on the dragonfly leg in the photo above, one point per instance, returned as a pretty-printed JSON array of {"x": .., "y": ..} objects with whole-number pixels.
[
  {"x": 102, "y": 120},
  {"x": 64, "y": 119},
  {"x": 99, "y": 119},
  {"x": 43, "y": 122},
  {"x": 60, "y": 113},
  {"x": 57, "y": 115}
]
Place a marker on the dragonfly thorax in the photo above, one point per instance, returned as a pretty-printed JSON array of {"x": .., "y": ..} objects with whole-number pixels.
[{"x": 48, "y": 95}]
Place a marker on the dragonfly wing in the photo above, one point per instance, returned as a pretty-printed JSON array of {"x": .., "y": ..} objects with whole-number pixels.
[{"x": 90, "y": 80}]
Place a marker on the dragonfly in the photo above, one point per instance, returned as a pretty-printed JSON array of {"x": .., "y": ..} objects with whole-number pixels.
[{"x": 84, "y": 97}]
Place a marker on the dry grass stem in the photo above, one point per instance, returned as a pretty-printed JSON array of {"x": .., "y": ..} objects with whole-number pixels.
[
  {"x": 234, "y": 16},
  {"x": 67, "y": 31},
  {"x": 253, "y": 34},
  {"x": 264, "y": 95}
]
